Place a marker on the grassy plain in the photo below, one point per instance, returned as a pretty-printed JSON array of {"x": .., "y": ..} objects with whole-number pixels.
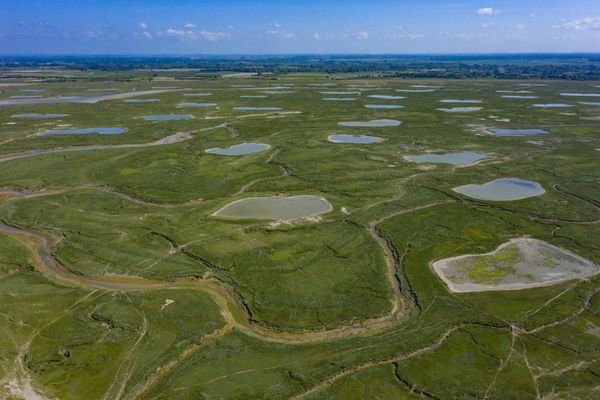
[{"x": 314, "y": 314}]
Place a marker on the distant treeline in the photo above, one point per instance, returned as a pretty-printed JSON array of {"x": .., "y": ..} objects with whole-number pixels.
[{"x": 503, "y": 66}]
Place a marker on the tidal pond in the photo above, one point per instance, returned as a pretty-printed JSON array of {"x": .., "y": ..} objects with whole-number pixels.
[
  {"x": 86, "y": 131},
  {"x": 553, "y": 105},
  {"x": 257, "y": 108},
  {"x": 197, "y": 105},
  {"x": 519, "y": 96},
  {"x": 580, "y": 94},
  {"x": 415, "y": 90},
  {"x": 460, "y": 109},
  {"x": 375, "y": 123},
  {"x": 460, "y": 101},
  {"x": 383, "y": 106},
  {"x": 282, "y": 208},
  {"x": 459, "y": 158},
  {"x": 386, "y": 97},
  {"x": 39, "y": 115},
  {"x": 338, "y": 98},
  {"x": 507, "y": 132},
  {"x": 356, "y": 139},
  {"x": 503, "y": 189},
  {"x": 141, "y": 100},
  {"x": 239, "y": 149},
  {"x": 167, "y": 117},
  {"x": 26, "y": 97},
  {"x": 589, "y": 103}
]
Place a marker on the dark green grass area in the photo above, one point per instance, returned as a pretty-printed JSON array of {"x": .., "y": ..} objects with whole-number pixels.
[{"x": 147, "y": 212}]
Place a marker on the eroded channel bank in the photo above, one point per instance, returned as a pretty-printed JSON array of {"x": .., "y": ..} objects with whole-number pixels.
[{"x": 232, "y": 307}]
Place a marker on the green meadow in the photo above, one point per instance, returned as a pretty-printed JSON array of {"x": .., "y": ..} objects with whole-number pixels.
[{"x": 117, "y": 282}]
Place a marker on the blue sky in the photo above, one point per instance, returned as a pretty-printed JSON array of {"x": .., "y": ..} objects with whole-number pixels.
[{"x": 271, "y": 27}]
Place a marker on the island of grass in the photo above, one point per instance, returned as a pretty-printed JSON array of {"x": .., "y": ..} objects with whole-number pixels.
[{"x": 521, "y": 263}]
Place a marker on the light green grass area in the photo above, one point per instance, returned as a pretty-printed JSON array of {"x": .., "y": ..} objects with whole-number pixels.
[
  {"x": 492, "y": 268},
  {"x": 154, "y": 298}
]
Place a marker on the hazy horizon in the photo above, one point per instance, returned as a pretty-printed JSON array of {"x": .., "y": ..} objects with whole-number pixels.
[{"x": 241, "y": 27}]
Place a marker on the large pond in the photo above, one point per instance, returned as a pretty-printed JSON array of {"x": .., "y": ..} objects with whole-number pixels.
[
  {"x": 589, "y": 103},
  {"x": 553, "y": 105},
  {"x": 535, "y": 131},
  {"x": 386, "y": 97},
  {"x": 356, "y": 139},
  {"x": 32, "y": 90},
  {"x": 460, "y": 158},
  {"x": 375, "y": 123},
  {"x": 167, "y": 117},
  {"x": 460, "y": 109},
  {"x": 521, "y": 263},
  {"x": 460, "y": 101},
  {"x": 239, "y": 149},
  {"x": 251, "y": 96},
  {"x": 141, "y": 100},
  {"x": 276, "y": 208},
  {"x": 102, "y": 131},
  {"x": 39, "y": 115},
  {"x": 257, "y": 108},
  {"x": 503, "y": 189},
  {"x": 383, "y": 106},
  {"x": 338, "y": 98},
  {"x": 197, "y": 105}
]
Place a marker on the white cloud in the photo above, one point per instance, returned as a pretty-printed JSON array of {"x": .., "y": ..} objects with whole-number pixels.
[
  {"x": 190, "y": 36},
  {"x": 487, "y": 11},
  {"x": 143, "y": 25},
  {"x": 275, "y": 31},
  {"x": 179, "y": 34},
  {"x": 147, "y": 35},
  {"x": 410, "y": 36},
  {"x": 189, "y": 25},
  {"x": 583, "y": 24},
  {"x": 91, "y": 34},
  {"x": 214, "y": 36},
  {"x": 486, "y": 25},
  {"x": 361, "y": 35},
  {"x": 230, "y": 27},
  {"x": 316, "y": 36},
  {"x": 521, "y": 26}
]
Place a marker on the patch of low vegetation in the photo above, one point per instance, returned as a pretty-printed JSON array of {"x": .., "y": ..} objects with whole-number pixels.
[{"x": 117, "y": 282}]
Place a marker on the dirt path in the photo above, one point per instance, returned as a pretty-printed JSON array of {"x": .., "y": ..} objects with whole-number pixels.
[
  {"x": 175, "y": 138},
  {"x": 41, "y": 245},
  {"x": 332, "y": 379},
  {"x": 184, "y": 355}
]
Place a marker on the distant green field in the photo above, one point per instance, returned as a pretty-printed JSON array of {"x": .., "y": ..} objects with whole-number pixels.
[{"x": 117, "y": 283}]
